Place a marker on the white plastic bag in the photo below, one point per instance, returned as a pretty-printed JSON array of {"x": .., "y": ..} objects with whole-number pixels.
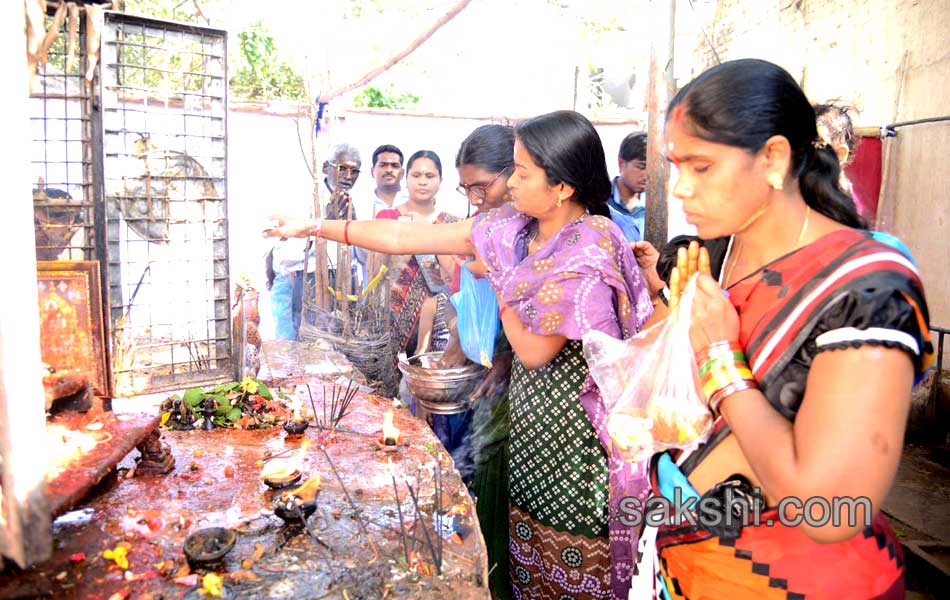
[{"x": 650, "y": 385}]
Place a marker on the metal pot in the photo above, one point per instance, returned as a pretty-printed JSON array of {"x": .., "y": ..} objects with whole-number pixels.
[{"x": 440, "y": 391}]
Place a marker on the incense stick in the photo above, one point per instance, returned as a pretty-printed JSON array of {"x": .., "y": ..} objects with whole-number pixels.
[
  {"x": 402, "y": 526},
  {"x": 313, "y": 406},
  {"x": 435, "y": 560},
  {"x": 356, "y": 511},
  {"x": 339, "y": 405},
  {"x": 438, "y": 504}
]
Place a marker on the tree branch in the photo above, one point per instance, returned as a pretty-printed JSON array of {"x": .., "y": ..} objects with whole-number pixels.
[
  {"x": 395, "y": 58},
  {"x": 303, "y": 152}
]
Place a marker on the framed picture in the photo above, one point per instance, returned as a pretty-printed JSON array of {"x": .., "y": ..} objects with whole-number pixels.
[{"x": 71, "y": 333}]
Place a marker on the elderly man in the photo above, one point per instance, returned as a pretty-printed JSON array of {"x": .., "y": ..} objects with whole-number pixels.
[{"x": 291, "y": 256}]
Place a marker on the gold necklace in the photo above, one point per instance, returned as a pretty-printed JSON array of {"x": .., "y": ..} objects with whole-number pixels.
[
  {"x": 801, "y": 234},
  {"x": 536, "y": 237},
  {"x": 735, "y": 261}
]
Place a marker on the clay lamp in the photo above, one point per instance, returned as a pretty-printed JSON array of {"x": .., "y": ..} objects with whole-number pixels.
[
  {"x": 296, "y": 424},
  {"x": 295, "y": 427},
  {"x": 209, "y": 545},
  {"x": 299, "y": 503},
  {"x": 278, "y": 474},
  {"x": 389, "y": 440}
]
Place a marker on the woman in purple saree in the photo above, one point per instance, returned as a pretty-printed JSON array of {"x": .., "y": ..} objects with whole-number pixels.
[{"x": 560, "y": 268}]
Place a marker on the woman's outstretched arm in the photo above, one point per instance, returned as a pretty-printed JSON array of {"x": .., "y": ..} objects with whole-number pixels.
[{"x": 384, "y": 235}]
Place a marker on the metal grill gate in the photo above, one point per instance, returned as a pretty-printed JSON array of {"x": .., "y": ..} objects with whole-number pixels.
[
  {"x": 61, "y": 154},
  {"x": 164, "y": 160}
]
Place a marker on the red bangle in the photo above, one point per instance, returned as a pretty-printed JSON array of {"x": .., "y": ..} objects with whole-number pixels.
[{"x": 346, "y": 233}]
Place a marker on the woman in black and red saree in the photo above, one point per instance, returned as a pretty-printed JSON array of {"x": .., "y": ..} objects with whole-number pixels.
[{"x": 808, "y": 345}]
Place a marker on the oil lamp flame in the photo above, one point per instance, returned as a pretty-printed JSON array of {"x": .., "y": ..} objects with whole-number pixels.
[
  {"x": 306, "y": 492},
  {"x": 296, "y": 404},
  {"x": 282, "y": 468},
  {"x": 390, "y": 431},
  {"x": 277, "y": 470}
]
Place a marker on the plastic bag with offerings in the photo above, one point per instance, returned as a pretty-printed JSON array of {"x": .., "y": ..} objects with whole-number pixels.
[
  {"x": 651, "y": 386},
  {"x": 477, "y": 308}
]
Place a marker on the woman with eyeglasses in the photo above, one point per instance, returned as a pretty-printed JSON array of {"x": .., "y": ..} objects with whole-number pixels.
[
  {"x": 560, "y": 267},
  {"x": 484, "y": 162}
]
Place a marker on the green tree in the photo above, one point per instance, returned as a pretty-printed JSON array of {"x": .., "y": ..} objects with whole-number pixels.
[
  {"x": 199, "y": 12},
  {"x": 384, "y": 97},
  {"x": 260, "y": 73}
]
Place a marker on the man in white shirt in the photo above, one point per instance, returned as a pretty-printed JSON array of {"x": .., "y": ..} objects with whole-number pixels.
[{"x": 387, "y": 171}]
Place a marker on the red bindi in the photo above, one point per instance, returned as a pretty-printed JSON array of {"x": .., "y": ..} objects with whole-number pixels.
[{"x": 677, "y": 114}]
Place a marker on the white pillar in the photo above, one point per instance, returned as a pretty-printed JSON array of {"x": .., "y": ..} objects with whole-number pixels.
[{"x": 26, "y": 535}]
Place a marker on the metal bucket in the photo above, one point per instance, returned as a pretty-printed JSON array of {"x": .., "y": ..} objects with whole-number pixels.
[{"x": 441, "y": 391}]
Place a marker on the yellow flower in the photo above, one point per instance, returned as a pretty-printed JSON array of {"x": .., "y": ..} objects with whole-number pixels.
[
  {"x": 118, "y": 556},
  {"x": 212, "y": 585}
]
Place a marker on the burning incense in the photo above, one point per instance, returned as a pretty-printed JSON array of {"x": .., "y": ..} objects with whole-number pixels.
[{"x": 339, "y": 405}]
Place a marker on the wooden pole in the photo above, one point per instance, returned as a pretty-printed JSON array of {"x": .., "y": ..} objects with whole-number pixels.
[
  {"x": 890, "y": 150},
  {"x": 321, "y": 276},
  {"x": 658, "y": 97}
]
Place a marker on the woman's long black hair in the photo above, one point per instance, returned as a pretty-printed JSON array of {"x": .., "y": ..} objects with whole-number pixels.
[
  {"x": 490, "y": 147},
  {"x": 742, "y": 103},
  {"x": 568, "y": 148}
]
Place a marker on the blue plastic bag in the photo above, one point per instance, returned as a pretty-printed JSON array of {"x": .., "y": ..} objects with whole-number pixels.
[{"x": 477, "y": 309}]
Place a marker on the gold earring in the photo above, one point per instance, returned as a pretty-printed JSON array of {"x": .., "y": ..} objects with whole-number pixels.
[
  {"x": 559, "y": 202},
  {"x": 775, "y": 182}
]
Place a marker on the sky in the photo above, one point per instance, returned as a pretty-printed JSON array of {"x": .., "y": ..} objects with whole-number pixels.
[{"x": 497, "y": 57}]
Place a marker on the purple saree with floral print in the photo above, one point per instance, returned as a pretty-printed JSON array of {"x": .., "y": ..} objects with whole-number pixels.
[{"x": 568, "y": 490}]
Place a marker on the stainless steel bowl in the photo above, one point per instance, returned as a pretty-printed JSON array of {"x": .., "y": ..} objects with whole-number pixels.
[{"x": 441, "y": 390}]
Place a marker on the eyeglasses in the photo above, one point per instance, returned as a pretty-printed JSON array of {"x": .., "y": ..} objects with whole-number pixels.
[
  {"x": 478, "y": 189},
  {"x": 354, "y": 171}
]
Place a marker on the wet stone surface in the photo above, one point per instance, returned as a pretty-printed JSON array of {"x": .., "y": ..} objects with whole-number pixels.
[{"x": 216, "y": 483}]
